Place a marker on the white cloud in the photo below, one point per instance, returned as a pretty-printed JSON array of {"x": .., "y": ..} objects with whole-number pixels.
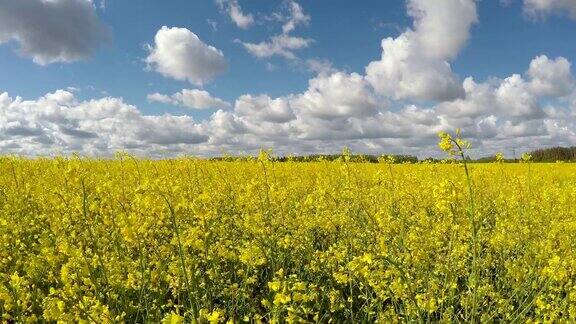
[
  {"x": 178, "y": 53},
  {"x": 281, "y": 45},
  {"x": 551, "y": 77},
  {"x": 52, "y": 31},
  {"x": 487, "y": 105},
  {"x": 513, "y": 97},
  {"x": 442, "y": 27},
  {"x": 479, "y": 100},
  {"x": 516, "y": 99},
  {"x": 263, "y": 108},
  {"x": 234, "y": 11},
  {"x": 295, "y": 18},
  {"x": 415, "y": 64},
  {"x": 336, "y": 110},
  {"x": 191, "y": 98},
  {"x": 59, "y": 123},
  {"x": 337, "y": 95},
  {"x": 543, "y": 8},
  {"x": 403, "y": 74},
  {"x": 397, "y": 106},
  {"x": 162, "y": 98},
  {"x": 523, "y": 129},
  {"x": 223, "y": 124}
]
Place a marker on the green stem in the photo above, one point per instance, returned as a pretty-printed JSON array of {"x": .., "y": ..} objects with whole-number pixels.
[{"x": 474, "y": 243}]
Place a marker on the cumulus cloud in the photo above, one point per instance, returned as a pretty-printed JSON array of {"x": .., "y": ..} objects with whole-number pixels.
[
  {"x": 336, "y": 110},
  {"x": 442, "y": 27},
  {"x": 415, "y": 64},
  {"x": 190, "y": 98},
  {"x": 397, "y": 106},
  {"x": 516, "y": 99},
  {"x": 337, "y": 95},
  {"x": 50, "y": 31},
  {"x": 479, "y": 100},
  {"x": 514, "y": 96},
  {"x": 234, "y": 11},
  {"x": 262, "y": 108},
  {"x": 551, "y": 77},
  {"x": 403, "y": 74},
  {"x": 59, "y": 123},
  {"x": 543, "y": 8},
  {"x": 178, "y": 53},
  {"x": 335, "y": 107},
  {"x": 500, "y": 114}
]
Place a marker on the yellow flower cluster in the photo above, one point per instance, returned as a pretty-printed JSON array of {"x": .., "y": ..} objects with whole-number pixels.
[{"x": 253, "y": 240}]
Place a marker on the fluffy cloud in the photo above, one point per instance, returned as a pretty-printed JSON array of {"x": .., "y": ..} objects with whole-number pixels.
[
  {"x": 403, "y": 74},
  {"x": 502, "y": 114},
  {"x": 335, "y": 107},
  {"x": 442, "y": 27},
  {"x": 336, "y": 110},
  {"x": 178, "y": 53},
  {"x": 398, "y": 106},
  {"x": 59, "y": 123},
  {"x": 337, "y": 95},
  {"x": 513, "y": 97},
  {"x": 479, "y": 100},
  {"x": 542, "y": 8},
  {"x": 234, "y": 11},
  {"x": 190, "y": 98},
  {"x": 516, "y": 99},
  {"x": 551, "y": 77},
  {"x": 52, "y": 31},
  {"x": 264, "y": 109},
  {"x": 415, "y": 64}
]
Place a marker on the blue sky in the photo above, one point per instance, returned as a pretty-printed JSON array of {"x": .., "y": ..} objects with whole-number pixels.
[
  {"x": 118, "y": 68},
  {"x": 502, "y": 40}
]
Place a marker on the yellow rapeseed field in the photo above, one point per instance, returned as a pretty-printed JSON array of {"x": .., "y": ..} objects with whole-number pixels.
[{"x": 186, "y": 240}]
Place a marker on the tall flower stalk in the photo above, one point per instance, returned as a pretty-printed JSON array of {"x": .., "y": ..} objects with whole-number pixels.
[{"x": 455, "y": 146}]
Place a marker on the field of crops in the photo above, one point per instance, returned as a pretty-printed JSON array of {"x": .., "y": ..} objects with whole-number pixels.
[{"x": 246, "y": 241}]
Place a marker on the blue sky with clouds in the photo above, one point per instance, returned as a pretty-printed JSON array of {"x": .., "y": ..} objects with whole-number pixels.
[{"x": 301, "y": 76}]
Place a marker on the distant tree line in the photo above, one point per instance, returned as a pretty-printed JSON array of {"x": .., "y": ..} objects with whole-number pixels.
[
  {"x": 544, "y": 155},
  {"x": 552, "y": 154}
]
